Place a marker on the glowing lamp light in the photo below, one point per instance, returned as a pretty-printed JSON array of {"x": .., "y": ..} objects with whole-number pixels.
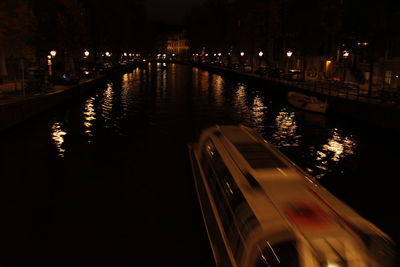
[
  {"x": 173, "y": 55},
  {"x": 289, "y": 53},
  {"x": 53, "y": 53},
  {"x": 49, "y": 56},
  {"x": 260, "y": 53},
  {"x": 206, "y": 55},
  {"x": 86, "y": 53},
  {"x": 215, "y": 54},
  {"x": 125, "y": 54},
  {"x": 108, "y": 54},
  {"x": 219, "y": 54},
  {"x": 242, "y": 54},
  {"x": 346, "y": 53}
]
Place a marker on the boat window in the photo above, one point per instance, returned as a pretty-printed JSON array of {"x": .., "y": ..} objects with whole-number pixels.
[
  {"x": 282, "y": 255},
  {"x": 258, "y": 156},
  {"x": 233, "y": 209}
]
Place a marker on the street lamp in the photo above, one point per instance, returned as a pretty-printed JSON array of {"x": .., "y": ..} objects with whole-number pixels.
[
  {"x": 86, "y": 53},
  {"x": 346, "y": 54},
  {"x": 53, "y": 53},
  {"x": 260, "y": 54},
  {"x": 242, "y": 54},
  {"x": 289, "y": 53}
]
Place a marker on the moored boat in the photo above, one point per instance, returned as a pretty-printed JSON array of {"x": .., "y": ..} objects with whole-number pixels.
[{"x": 307, "y": 102}]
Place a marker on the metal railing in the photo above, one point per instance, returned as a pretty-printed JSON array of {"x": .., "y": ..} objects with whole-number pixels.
[{"x": 378, "y": 96}]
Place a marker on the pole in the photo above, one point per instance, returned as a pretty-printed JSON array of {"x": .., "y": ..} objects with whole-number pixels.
[
  {"x": 23, "y": 77},
  {"x": 371, "y": 69}
]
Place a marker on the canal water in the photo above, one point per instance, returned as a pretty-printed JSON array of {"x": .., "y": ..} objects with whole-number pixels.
[{"x": 106, "y": 179}]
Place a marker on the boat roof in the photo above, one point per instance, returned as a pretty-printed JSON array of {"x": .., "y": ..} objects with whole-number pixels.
[{"x": 274, "y": 178}]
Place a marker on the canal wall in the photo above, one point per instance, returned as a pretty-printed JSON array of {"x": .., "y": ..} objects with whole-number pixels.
[
  {"x": 383, "y": 115},
  {"x": 15, "y": 111}
]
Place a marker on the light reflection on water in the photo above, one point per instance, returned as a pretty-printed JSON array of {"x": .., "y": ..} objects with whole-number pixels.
[
  {"x": 339, "y": 146},
  {"x": 204, "y": 80},
  {"x": 89, "y": 115},
  {"x": 107, "y": 105},
  {"x": 57, "y": 134},
  {"x": 218, "y": 84},
  {"x": 282, "y": 125},
  {"x": 258, "y": 113},
  {"x": 286, "y": 133},
  {"x": 240, "y": 102}
]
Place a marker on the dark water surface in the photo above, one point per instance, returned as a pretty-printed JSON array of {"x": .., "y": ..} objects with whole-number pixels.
[{"x": 106, "y": 180}]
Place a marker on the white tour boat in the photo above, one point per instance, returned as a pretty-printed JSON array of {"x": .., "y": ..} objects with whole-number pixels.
[{"x": 260, "y": 209}]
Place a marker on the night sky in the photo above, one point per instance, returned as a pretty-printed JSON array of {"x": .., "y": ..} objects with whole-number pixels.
[{"x": 170, "y": 11}]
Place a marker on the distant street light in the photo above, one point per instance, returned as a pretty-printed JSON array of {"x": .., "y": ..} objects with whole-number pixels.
[
  {"x": 242, "y": 54},
  {"x": 86, "y": 53},
  {"x": 53, "y": 53},
  {"x": 219, "y": 54},
  {"x": 346, "y": 54},
  {"x": 289, "y": 54},
  {"x": 260, "y": 53}
]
